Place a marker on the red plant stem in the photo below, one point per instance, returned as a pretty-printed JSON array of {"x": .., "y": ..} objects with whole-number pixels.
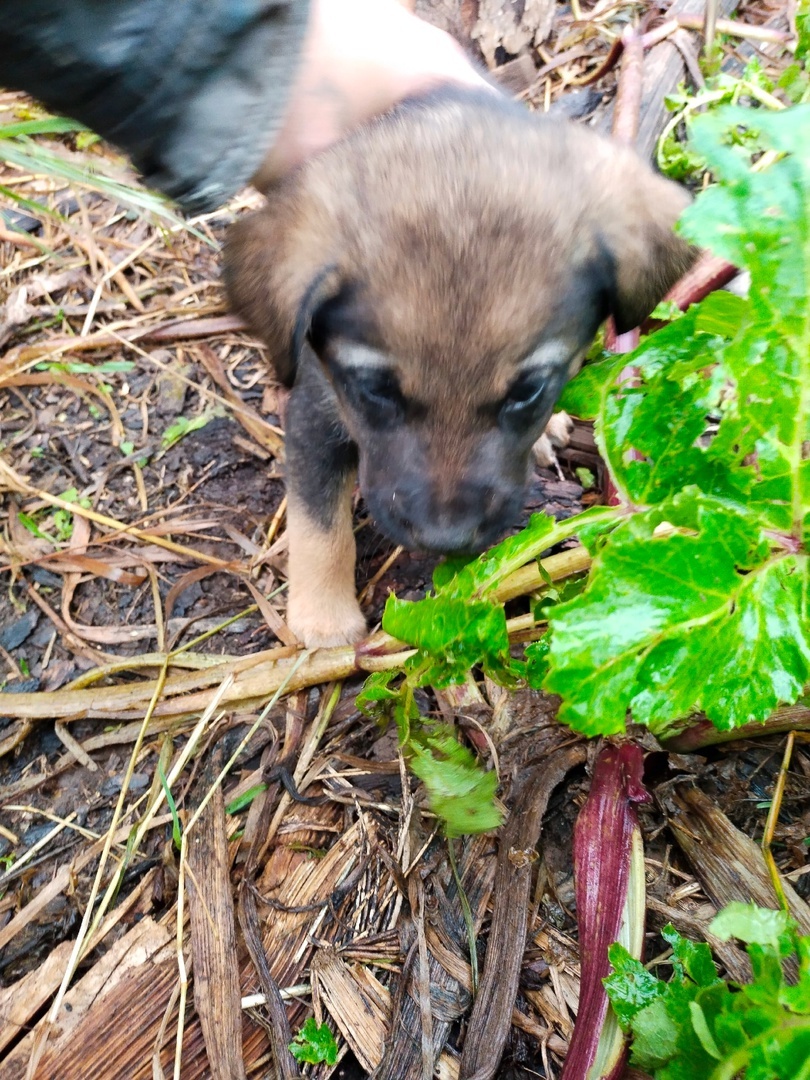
[
  {"x": 603, "y": 838},
  {"x": 709, "y": 273},
  {"x": 627, "y": 108}
]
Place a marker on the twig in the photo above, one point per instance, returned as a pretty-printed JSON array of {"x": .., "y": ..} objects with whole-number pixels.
[
  {"x": 773, "y": 818},
  {"x": 19, "y": 483},
  {"x": 736, "y": 28}
]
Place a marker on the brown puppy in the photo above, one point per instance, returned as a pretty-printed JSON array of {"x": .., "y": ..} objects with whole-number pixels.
[{"x": 427, "y": 286}]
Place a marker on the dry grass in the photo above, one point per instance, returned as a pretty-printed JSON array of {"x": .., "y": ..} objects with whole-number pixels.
[{"x": 204, "y": 841}]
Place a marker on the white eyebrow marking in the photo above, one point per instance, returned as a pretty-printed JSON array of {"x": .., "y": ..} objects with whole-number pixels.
[
  {"x": 353, "y": 354},
  {"x": 548, "y": 356}
]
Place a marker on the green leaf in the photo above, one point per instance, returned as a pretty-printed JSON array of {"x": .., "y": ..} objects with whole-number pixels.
[
  {"x": 447, "y": 570},
  {"x": 630, "y": 988},
  {"x": 50, "y": 125},
  {"x": 685, "y": 608},
  {"x": 30, "y": 156},
  {"x": 691, "y": 958},
  {"x": 314, "y": 1044},
  {"x": 455, "y": 633},
  {"x": 741, "y": 363},
  {"x": 702, "y": 1031},
  {"x": 459, "y": 792},
  {"x": 480, "y": 576},
  {"x": 707, "y": 1028},
  {"x": 651, "y": 428},
  {"x": 655, "y": 1037},
  {"x": 241, "y": 802},
  {"x": 585, "y": 478},
  {"x": 536, "y": 656},
  {"x": 753, "y": 925},
  {"x": 582, "y": 396},
  {"x": 28, "y": 523},
  {"x": 183, "y": 426},
  {"x": 86, "y": 139},
  {"x": 377, "y": 689},
  {"x": 177, "y": 831}
]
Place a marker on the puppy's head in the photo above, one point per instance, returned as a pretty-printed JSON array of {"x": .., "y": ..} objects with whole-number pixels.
[{"x": 448, "y": 266}]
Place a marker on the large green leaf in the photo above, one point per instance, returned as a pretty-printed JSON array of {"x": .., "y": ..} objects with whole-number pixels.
[
  {"x": 687, "y": 607},
  {"x": 709, "y": 433}
]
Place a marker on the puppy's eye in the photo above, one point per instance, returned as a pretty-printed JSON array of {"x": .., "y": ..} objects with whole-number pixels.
[
  {"x": 376, "y": 394},
  {"x": 525, "y": 397}
]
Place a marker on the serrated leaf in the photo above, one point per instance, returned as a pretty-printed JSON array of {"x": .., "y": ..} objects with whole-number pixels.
[
  {"x": 631, "y": 987},
  {"x": 703, "y": 617},
  {"x": 753, "y": 925},
  {"x": 478, "y": 577},
  {"x": 694, "y": 958},
  {"x": 377, "y": 689},
  {"x": 582, "y": 396},
  {"x": 652, "y": 429},
  {"x": 743, "y": 363},
  {"x": 314, "y": 1044},
  {"x": 456, "y": 634},
  {"x": 459, "y": 792},
  {"x": 536, "y": 656},
  {"x": 759, "y": 1031}
]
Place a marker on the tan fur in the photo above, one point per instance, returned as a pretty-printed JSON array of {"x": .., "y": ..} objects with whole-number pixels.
[
  {"x": 529, "y": 219},
  {"x": 556, "y": 437},
  {"x": 322, "y": 607}
]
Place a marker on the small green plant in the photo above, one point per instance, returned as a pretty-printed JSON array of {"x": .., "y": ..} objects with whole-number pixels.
[
  {"x": 697, "y": 1025},
  {"x": 314, "y": 1044},
  {"x": 680, "y": 158},
  {"x": 177, "y": 829},
  {"x": 55, "y": 526},
  {"x": 243, "y": 801},
  {"x": 81, "y": 367},
  {"x": 181, "y": 427}
]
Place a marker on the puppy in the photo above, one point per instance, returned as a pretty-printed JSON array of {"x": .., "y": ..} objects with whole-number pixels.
[{"x": 427, "y": 286}]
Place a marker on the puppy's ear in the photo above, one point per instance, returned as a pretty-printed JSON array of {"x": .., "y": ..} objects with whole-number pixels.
[
  {"x": 276, "y": 280},
  {"x": 638, "y": 210}
]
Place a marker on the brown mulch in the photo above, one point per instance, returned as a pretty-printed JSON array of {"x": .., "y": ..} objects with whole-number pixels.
[{"x": 311, "y": 865}]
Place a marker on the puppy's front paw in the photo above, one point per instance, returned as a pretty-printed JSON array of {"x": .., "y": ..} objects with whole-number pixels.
[
  {"x": 556, "y": 436},
  {"x": 325, "y": 618},
  {"x": 322, "y": 609}
]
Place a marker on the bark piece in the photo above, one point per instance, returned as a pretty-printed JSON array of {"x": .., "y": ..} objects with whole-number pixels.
[
  {"x": 728, "y": 863},
  {"x": 492, "y": 1013},
  {"x": 511, "y": 25},
  {"x": 217, "y": 994}
]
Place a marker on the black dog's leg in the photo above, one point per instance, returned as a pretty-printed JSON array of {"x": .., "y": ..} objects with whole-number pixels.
[{"x": 321, "y": 464}]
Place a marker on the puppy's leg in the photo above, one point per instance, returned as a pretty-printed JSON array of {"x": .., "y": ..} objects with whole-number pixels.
[
  {"x": 557, "y": 435},
  {"x": 322, "y": 607}
]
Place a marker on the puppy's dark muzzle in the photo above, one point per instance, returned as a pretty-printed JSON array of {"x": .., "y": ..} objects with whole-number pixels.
[{"x": 465, "y": 524}]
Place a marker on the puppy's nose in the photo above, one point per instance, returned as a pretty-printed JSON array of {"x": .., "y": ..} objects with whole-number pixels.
[
  {"x": 452, "y": 539},
  {"x": 466, "y": 524}
]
